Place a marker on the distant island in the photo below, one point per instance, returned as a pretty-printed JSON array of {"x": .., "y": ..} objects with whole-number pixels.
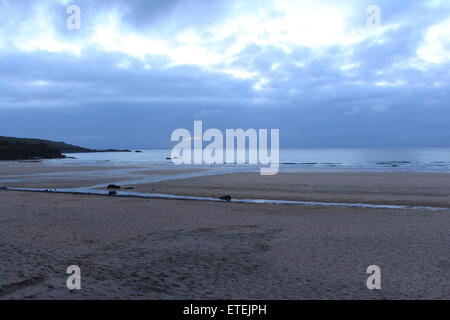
[{"x": 28, "y": 149}]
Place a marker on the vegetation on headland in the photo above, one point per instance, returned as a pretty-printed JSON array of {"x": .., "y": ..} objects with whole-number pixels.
[
  {"x": 23, "y": 151},
  {"x": 28, "y": 149}
]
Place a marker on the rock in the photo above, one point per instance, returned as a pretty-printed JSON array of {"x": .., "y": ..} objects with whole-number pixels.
[
  {"x": 112, "y": 193},
  {"x": 225, "y": 198},
  {"x": 129, "y": 188},
  {"x": 112, "y": 186},
  {"x": 168, "y": 158},
  {"x": 138, "y": 151},
  {"x": 3, "y": 188}
]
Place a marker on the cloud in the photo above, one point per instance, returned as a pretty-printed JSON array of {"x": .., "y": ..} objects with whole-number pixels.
[{"x": 139, "y": 69}]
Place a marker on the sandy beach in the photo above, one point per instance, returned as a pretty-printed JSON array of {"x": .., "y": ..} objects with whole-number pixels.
[
  {"x": 132, "y": 248},
  {"x": 192, "y": 149}
]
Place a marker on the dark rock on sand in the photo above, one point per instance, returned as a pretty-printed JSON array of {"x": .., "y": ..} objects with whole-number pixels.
[
  {"x": 112, "y": 193},
  {"x": 3, "y": 188},
  {"x": 138, "y": 151},
  {"x": 113, "y": 186},
  {"x": 226, "y": 198},
  {"x": 129, "y": 188}
]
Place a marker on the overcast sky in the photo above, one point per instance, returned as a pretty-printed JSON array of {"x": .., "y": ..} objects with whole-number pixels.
[{"x": 138, "y": 69}]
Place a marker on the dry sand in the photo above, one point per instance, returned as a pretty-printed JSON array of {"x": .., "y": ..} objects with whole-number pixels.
[{"x": 173, "y": 249}]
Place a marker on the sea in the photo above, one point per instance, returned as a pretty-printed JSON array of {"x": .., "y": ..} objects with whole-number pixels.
[{"x": 293, "y": 160}]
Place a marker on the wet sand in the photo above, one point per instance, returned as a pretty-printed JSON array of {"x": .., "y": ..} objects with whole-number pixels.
[
  {"x": 41, "y": 175},
  {"x": 391, "y": 188},
  {"x": 10, "y": 168},
  {"x": 170, "y": 249}
]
